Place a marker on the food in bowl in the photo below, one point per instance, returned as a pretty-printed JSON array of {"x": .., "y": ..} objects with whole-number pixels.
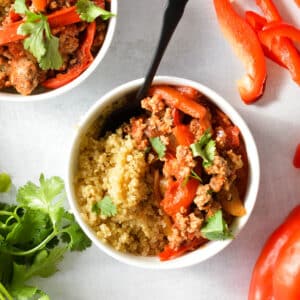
[
  {"x": 47, "y": 44},
  {"x": 167, "y": 181}
]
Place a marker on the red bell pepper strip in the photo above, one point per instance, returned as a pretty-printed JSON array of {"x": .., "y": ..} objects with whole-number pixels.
[
  {"x": 261, "y": 286},
  {"x": 177, "y": 100},
  {"x": 296, "y": 160},
  {"x": 297, "y": 2},
  {"x": 286, "y": 277},
  {"x": 85, "y": 58},
  {"x": 178, "y": 195},
  {"x": 177, "y": 116},
  {"x": 247, "y": 47},
  {"x": 256, "y": 21},
  {"x": 168, "y": 253},
  {"x": 188, "y": 91},
  {"x": 39, "y": 5},
  {"x": 183, "y": 135},
  {"x": 269, "y": 9}
]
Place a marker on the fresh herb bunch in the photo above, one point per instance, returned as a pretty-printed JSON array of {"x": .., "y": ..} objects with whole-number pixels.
[{"x": 34, "y": 235}]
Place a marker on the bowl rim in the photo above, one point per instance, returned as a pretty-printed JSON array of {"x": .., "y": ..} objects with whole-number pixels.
[
  {"x": 15, "y": 97},
  {"x": 212, "y": 247}
]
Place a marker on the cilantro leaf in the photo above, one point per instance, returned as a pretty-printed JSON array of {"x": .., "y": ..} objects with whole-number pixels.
[
  {"x": 73, "y": 234},
  {"x": 205, "y": 148},
  {"x": 5, "y": 183},
  {"x": 39, "y": 41},
  {"x": 105, "y": 206},
  {"x": 52, "y": 58},
  {"x": 89, "y": 11},
  {"x": 216, "y": 228},
  {"x": 40, "y": 197},
  {"x": 158, "y": 146},
  {"x": 20, "y": 7}
]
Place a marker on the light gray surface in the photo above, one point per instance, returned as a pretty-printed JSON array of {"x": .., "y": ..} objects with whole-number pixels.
[{"x": 35, "y": 137}]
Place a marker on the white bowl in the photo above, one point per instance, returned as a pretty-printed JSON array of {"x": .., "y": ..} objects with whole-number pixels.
[
  {"x": 209, "y": 249},
  {"x": 59, "y": 91}
]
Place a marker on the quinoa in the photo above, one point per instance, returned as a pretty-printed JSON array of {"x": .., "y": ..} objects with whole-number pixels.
[{"x": 114, "y": 166}]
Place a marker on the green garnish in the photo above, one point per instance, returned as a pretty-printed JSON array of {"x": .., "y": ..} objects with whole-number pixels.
[
  {"x": 195, "y": 176},
  {"x": 89, "y": 11},
  {"x": 159, "y": 147},
  {"x": 39, "y": 41},
  {"x": 5, "y": 183},
  {"x": 34, "y": 235},
  {"x": 205, "y": 148},
  {"x": 105, "y": 206},
  {"x": 216, "y": 228}
]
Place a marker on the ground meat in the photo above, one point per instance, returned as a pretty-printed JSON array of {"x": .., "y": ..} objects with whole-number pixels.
[
  {"x": 68, "y": 40},
  {"x": 203, "y": 196},
  {"x": 221, "y": 137},
  {"x": 154, "y": 104},
  {"x": 137, "y": 130},
  {"x": 196, "y": 128},
  {"x": 235, "y": 159},
  {"x": 99, "y": 36},
  {"x": 3, "y": 72},
  {"x": 185, "y": 229},
  {"x": 216, "y": 182},
  {"x": 185, "y": 160},
  {"x": 160, "y": 124},
  {"x": 24, "y": 75},
  {"x": 219, "y": 166}
]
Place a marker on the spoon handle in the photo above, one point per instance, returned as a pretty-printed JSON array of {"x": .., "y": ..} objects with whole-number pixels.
[{"x": 172, "y": 16}]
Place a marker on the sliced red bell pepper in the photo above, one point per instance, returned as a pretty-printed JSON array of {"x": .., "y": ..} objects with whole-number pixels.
[
  {"x": 277, "y": 38},
  {"x": 85, "y": 58},
  {"x": 177, "y": 116},
  {"x": 269, "y": 9},
  {"x": 177, "y": 100},
  {"x": 296, "y": 160},
  {"x": 39, "y": 5},
  {"x": 179, "y": 195},
  {"x": 282, "y": 50},
  {"x": 261, "y": 286},
  {"x": 168, "y": 253},
  {"x": 297, "y": 2},
  {"x": 247, "y": 47},
  {"x": 256, "y": 21},
  {"x": 183, "y": 135},
  {"x": 286, "y": 277},
  {"x": 188, "y": 91}
]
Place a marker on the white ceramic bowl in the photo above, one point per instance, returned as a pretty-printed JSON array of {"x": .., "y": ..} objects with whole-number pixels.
[
  {"x": 209, "y": 249},
  {"x": 59, "y": 91}
]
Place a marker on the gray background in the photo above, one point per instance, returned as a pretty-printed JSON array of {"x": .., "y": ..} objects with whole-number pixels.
[{"x": 35, "y": 137}]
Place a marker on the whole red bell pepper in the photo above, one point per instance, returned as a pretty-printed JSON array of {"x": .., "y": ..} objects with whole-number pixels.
[
  {"x": 247, "y": 47},
  {"x": 273, "y": 260},
  {"x": 297, "y": 157}
]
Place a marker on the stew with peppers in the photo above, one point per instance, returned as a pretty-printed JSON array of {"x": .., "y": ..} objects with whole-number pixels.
[
  {"x": 48, "y": 43},
  {"x": 201, "y": 160}
]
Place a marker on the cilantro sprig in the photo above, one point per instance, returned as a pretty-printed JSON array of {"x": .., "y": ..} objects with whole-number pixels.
[
  {"x": 216, "y": 228},
  {"x": 158, "y": 146},
  {"x": 39, "y": 41},
  {"x": 89, "y": 11},
  {"x": 105, "y": 207},
  {"x": 34, "y": 236},
  {"x": 205, "y": 148}
]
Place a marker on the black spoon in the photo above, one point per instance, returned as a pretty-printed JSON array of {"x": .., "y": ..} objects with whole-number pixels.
[{"x": 172, "y": 16}]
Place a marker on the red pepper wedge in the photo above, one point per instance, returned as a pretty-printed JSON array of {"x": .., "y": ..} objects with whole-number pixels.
[
  {"x": 185, "y": 104},
  {"x": 296, "y": 160},
  {"x": 168, "y": 253},
  {"x": 85, "y": 58},
  {"x": 178, "y": 195},
  {"x": 247, "y": 47},
  {"x": 188, "y": 91},
  {"x": 269, "y": 9},
  {"x": 39, "y": 5},
  {"x": 183, "y": 135},
  {"x": 282, "y": 49},
  {"x": 286, "y": 277},
  {"x": 256, "y": 21},
  {"x": 261, "y": 286}
]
